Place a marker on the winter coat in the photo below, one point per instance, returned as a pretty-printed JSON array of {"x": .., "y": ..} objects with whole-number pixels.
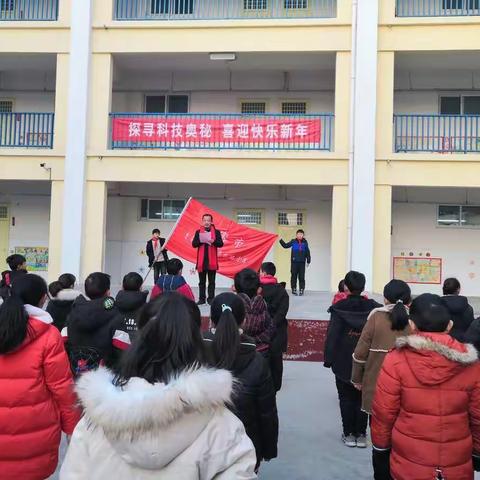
[
  {"x": 461, "y": 313},
  {"x": 347, "y": 319},
  {"x": 8, "y": 277},
  {"x": 150, "y": 251},
  {"x": 258, "y": 323},
  {"x": 427, "y": 408},
  {"x": 300, "y": 250},
  {"x": 172, "y": 283},
  {"x": 92, "y": 333},
  {"x": 376, "y": 340},
  {"x": 206, "y": 263},
  {"x": 146, "y": 431},
  {"x": 254, "y": 398},
  {"x": 472, "y": 335},
  {"x": 278, "y": 303},
  {"x": 37, "y": 402},
  {"x": 128, "y": 305},
  {"x": 60, "y": 306}
]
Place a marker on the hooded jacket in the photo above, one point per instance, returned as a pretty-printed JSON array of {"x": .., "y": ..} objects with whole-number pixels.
[
  {"x": 300, "y": 250},
  {"x": 461, "y": 313},
  {"x": 37, "y": 402},
  {"x": 146, "y": 431},
  {"x": 254, "y": 397},
  {"x": 258, "y": 323},
  {"x": 8, "y": 277},
  {"x": 172, "y": 283},
  {"x": 347, "y": 319},
  {"x": 60, "y": 306},
  {"x": 128, "y": 304},
  {"x": 427, "y": 408}
]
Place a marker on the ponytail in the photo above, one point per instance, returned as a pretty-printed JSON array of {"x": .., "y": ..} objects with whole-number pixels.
[
  {"x": 55, "y": 288},
  {"x": 398, "y": 293},
  {"x": 13, "y": 324},
  {"x": 399, "y": 316},
  {"x": 226, "y": 341}
]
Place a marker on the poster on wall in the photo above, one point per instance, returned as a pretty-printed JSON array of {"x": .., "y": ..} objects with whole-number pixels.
[
  {"x": 37, "y": 258},
  {"x": 424, "y": 270}
]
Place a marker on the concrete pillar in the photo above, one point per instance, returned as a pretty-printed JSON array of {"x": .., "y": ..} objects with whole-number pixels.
[
  {"x": 75, "y": 160},
  {"x": 342, "y": 102},
  {"x": 382, "y": 263},
  {"x": 55, "y": 231},
  {"x": 363, "y": 158},
  {"x": 339, "y": 241},
  {"x": 61, "y": 101},
  {"x": 385, "y": 92},
  {"x": 93, "y": 257}
]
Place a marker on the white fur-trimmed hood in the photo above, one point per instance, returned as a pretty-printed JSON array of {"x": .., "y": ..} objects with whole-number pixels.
[
  {"x": 67, "y": 295},
  {"x": 420, "y": 342},
  {"x": 141, "y": 406}
]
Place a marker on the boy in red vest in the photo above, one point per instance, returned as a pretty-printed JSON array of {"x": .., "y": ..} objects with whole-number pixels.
[{"x": 207, "y": 240}]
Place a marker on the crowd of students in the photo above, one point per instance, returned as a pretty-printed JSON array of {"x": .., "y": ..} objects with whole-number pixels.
[{"x": 143, "y": 391}]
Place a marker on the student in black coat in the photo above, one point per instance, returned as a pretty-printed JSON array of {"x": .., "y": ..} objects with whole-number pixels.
[
  {"x": 254, "y": 400},
  {"x": 278, "y": 303},
  {"x": 62, "y": 297},
  {"x": 348, "y": 317},
  {"x": 461, "y": 312},
  {"x": 157, "y": 255},
  {"x": 18, "y": 268}
]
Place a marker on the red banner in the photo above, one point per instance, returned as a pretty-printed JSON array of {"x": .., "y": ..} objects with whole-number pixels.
[
  {"x": 186, "y": 129},
  {"x": 244, "y": 247}
]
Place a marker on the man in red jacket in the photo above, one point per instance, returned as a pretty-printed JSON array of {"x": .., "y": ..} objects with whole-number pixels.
[{"x": 426, "y": 409}]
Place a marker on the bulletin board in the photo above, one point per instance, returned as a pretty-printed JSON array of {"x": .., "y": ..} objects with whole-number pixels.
[
  {"x": 37, "y": 258},
  {"x": 423, "y": 270}
]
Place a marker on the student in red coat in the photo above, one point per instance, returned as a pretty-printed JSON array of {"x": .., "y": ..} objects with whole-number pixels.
[
  {"x": 173, "y": 281},
  {"x": 37, "y": 401},
  {"x": 426, "y": 409}
]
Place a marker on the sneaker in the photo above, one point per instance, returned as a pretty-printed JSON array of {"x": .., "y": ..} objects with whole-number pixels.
[
  {"x": 201, "y": 302},
  {"x": 349, "y": 440},
  {"x": 302, "y": 292},
  {"x": 362, "y": 441},
  {"x": 294, "y": 291}
]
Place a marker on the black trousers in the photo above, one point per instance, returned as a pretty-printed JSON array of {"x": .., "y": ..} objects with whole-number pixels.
[
  {"x": 202, "y": 284},
  {"x": 159, "y": 268},
  {"x": 276, "y": 369},
  {"x": 354, "y": 421},
  {"x": 298, "y": 272}
]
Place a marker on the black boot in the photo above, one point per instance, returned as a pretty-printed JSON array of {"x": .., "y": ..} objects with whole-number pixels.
[
  {"x": 294, "y": 291},
  {"x": 302, "y": 292}
]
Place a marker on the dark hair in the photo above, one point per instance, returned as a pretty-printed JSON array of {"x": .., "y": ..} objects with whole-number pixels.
[
  {"x": 97, "y": 284},
  {"x": 132, "y": 282},
  {"x": 398, "y": 293},
  {"x": 300, "y": 231},
  {"x": 207, "y": 215},
  {"x": 341, "y": 286},
  {"x": 451, "y": 286},
  {"x": 16, "y": 260},
  {"x": 55, "y": 288},
  {"x": 174, "y": 265},
  {"x": 227, "y": 314},
  {"x": 155, "y": 230},
  {"x": 66, "y": 280},
  {"x": 168, "y": 342},
  {"x": 247, "y": 281},
  {"x": 269, "y": 268},
  {"x": 429, "y": 314},
  {"x": 27, "y": 289},
  {"x": 355, "y": 282}
]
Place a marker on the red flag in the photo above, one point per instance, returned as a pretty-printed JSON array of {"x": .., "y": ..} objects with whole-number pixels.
[{"x": 244, "y": 247}]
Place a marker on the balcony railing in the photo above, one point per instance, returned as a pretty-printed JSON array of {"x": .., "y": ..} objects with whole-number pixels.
[
  {"x": 26, "y": 130},
  {"x": 437, "y": 8},
  {"x": 32, "y": 10},
  {"x": 437, "y": 133},
  {"x": 222, "y": 9},
  {"x": 221, "y": 131}
]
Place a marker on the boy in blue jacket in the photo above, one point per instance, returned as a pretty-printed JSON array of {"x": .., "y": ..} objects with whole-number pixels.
[{"x": 300, "y": 257}]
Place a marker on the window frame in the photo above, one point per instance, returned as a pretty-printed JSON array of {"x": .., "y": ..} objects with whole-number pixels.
[
  {"x": 460, "y": 225},
  {"x": 11, "y": 100},
  {"x": 254, "y": 100},
  {"x": 296, "y": 100},
  {"x": 166, "y": 95},
  {"x": 251, "y": 9},
  {"x": 163, "y": 200},
  {"x": 462, "y": 96},
  {"x": 10, "y": 3},
  {"x": 261, "y": 211}
]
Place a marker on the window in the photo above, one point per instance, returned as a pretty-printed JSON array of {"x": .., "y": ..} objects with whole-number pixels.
[
  {"x": 254, "y": 4},
  {"x": 294, "y": 108},
  {"x": 177, "y": 7},
  {"x": 461, "y": 4},
  {"x": 460, "y": 105},
  {"x": 295, "y": 4},
  {"x": 253, "y": 108},
  {"x": 166, "y": 104},
  {"x": 295, "y": 219},
  {"x": 3, "y": 212},
  {"x": 6, "y": 106},
  {"x": 471, "y": 105},
  {"x": 153, "y": 209},
  {"x": 249, "y": 217},
  {"x": 458, "y": 216},
  {"x": 7, "y": 5}
]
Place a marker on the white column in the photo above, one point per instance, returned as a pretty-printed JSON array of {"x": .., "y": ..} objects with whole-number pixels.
[
  {"x": 362, "y": 198},
  {"x": 76, "y": 149}
]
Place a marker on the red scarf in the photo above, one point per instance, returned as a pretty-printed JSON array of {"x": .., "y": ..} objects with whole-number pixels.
[
  {"x": 212, "y": 252},
  {"x": 155, "y": 242},
  {"x": 268, "y": 280}
]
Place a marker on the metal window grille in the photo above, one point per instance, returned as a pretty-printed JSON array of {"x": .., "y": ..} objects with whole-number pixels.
[
  {"x": 7, "y": 5},
  {"x": 296, "y": 4},
  {"x": 290, "y": 219},
  {"x": 297, "y": 108},
  {"x": 249, "y": 217},
  {"x": 3, "y": 212},
  {"x": 253, "y": 108},
  {"x": 254, "y": 4},
  {"x": 6, "y": 106}
]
